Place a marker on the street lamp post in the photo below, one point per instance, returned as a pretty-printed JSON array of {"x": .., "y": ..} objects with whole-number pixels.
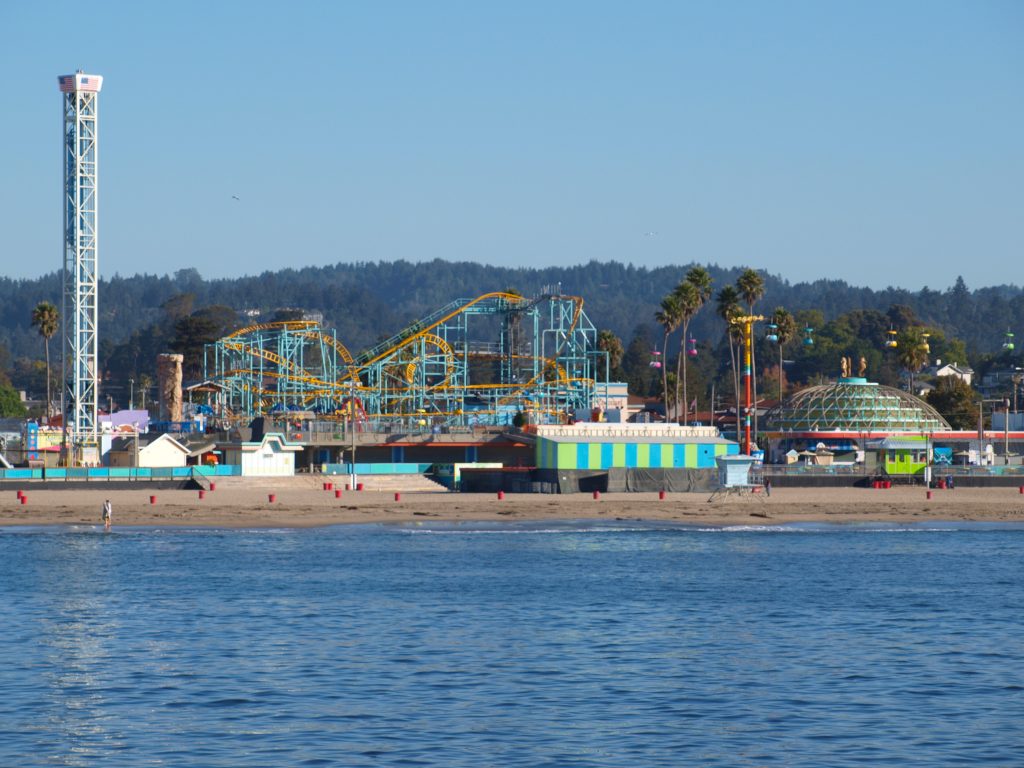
[
  {"x": 131, "y": 394},
  {"x": 1006, "y": 430},
  {"x": 981, "y": 424},
  {"x": 928, "y": 459}
]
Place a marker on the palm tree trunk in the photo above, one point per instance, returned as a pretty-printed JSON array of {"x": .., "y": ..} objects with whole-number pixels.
[
  {"x": 49, "y": 398},
  {"x": 681, "y": 360},
  {"x": 664, "y": 373},
  {"x": 780, "y": 370},
  {"x": 735, "y": 383}
]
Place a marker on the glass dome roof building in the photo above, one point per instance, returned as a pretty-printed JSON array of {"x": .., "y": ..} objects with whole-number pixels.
[{"x": 854, "y": 404}]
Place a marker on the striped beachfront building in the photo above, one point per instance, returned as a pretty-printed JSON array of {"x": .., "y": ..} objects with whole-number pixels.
[{"x": 597, "y": 446}]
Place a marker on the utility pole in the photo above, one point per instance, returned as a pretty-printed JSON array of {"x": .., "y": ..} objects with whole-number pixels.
[{"x": 352, "y": 429}]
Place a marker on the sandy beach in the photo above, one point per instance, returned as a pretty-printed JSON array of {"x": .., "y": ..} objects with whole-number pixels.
[{"x": 301, "y": 502}]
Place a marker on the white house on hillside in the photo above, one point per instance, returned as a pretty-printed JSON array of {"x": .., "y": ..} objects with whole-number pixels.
[{"x": 962, "y": 372}]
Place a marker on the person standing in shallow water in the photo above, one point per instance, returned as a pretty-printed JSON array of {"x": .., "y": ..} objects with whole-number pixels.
[{"x": 107, "y": 510}]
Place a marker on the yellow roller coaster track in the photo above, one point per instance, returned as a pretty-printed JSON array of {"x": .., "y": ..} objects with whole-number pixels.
[
  {"x": 289, "y": 325},
  {"x": 311, "y": 329},
  {"x": 272, "y": 357},
  {"x": 326, "y": 386},
  {"x": 446, "y": 350},
  {"x": 341, "y": 349},
  {"x": 511, "y": 299}
]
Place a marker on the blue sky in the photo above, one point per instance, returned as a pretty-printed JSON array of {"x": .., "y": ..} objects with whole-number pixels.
[{"x": 875, "y": 142}]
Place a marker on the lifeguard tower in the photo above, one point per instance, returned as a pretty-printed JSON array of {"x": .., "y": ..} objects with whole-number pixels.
[{"x": 734, "y": 477}]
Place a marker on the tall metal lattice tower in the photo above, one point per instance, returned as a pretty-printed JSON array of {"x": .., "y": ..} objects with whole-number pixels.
[{"x": 81, "y": 272}]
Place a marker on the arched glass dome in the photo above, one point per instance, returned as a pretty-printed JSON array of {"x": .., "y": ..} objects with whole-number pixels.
[{"x": 854, "y": 405}]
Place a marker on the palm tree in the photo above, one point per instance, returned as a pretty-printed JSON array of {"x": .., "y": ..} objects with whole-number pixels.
[
  {"x": 608, "y": 342},
  {"x": 46, "y": 318},
  {"x": 668, "y": 317},
  {"x": 145, "y": 382},
  {"x": 785, "y": 329},
  {"x": 913, "y": 351},
  {"x": 700, "y": 279},
  {"x": 693, "y": 292},
  {"x": 728, "y": 306},
  {"x": 689, "y": 302},
  {"x": 751, "y": 288}
]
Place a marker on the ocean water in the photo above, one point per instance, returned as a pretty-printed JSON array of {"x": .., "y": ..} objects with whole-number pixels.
[{"x": 513, "y": 645}]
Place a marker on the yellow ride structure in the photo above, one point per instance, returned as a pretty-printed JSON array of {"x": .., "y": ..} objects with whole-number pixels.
[{"x": 474, "y": 361}]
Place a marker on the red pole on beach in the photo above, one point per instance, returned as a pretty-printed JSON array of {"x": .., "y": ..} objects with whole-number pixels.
[
  {"x": 24, "y": 499},
  {"x": 597, "y": 495},
  {"x": 359, "y": 486},
  {"x": 22, "y": 493},
  {"x": 661, "y": 495},
  {"x": 202, "y": 494},
  {"x": 213, "y": 486},
  {"x": 927, "y": 494},
  {"x": 398, "y": 497},
  {"x": 271, "y": 497},
  {"x": 337, "y": 493},
  {"x": 152, "y": 499},
  {"x": 501, "y": 495}
]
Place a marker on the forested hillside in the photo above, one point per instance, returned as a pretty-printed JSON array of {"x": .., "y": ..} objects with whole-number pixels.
[{"x": 146, "y": 314}]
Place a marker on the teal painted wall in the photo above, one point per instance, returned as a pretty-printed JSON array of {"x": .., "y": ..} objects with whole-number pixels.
[{"x": 553, "y": 455}]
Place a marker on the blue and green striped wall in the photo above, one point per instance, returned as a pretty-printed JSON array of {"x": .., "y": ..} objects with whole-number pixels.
[{"x": 556, "y": 455}]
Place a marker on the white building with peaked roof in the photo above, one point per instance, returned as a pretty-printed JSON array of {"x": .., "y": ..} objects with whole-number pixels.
[{"x": 273, "y": 456}]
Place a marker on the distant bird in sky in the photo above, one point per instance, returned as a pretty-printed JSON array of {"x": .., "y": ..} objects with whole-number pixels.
[
  {"x": 236, "y": 197},
  {"x": 650, "y": 234}
]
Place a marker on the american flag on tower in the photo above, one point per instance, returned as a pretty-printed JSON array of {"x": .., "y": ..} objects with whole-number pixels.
[{"x": 80, "y": 82}]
